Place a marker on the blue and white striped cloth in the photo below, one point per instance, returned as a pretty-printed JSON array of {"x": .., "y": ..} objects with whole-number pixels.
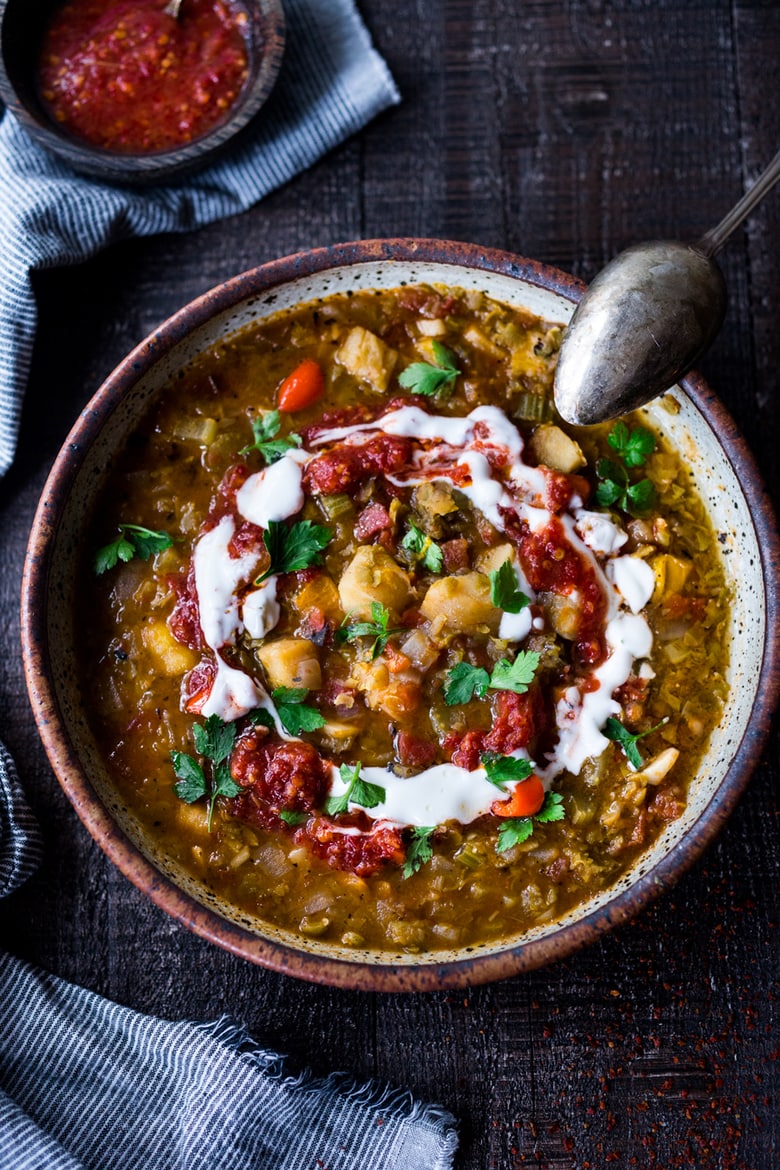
[{"x": 332, "y": 82}]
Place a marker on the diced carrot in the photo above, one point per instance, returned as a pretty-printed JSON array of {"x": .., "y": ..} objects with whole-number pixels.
[
  {"x": 527, "y": 799},
  {"x": 302, "y": 387}
]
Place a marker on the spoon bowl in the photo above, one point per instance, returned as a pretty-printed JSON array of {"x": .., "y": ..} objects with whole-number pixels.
[{"x": 644, "y": 322}]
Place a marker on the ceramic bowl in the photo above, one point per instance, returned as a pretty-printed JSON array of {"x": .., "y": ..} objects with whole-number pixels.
[
  {"x": 690, "y": 415},
  {"x": 21, "y": 23}
]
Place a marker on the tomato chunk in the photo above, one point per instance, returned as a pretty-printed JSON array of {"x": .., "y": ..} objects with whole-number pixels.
[{"x": 302, "y": 388}]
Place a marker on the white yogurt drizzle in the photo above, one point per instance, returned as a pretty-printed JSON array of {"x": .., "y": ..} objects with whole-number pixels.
[{"x": 444, "y": 792}]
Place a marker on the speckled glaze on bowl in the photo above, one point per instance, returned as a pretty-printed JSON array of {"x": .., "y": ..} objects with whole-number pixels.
[
  {"x": 21, "y": 22},
  {"x": 689, "y": 414}
]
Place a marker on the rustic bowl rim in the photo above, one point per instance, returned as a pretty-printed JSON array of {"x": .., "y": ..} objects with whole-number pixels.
[
  {"x": 162, "y": 166},
  {"x": 63, "y": 755}
]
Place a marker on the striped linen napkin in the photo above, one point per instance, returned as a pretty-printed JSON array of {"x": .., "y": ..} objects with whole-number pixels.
[
  {"x": 332, "y": 82},
  {"x": 86, "y": 1084}
]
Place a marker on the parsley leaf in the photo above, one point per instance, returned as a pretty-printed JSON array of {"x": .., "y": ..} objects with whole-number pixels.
[
  {"x": 262, "y": 718},
  {"x": 427, "y": 379},
  {"x": 214, "y": 742},
  {"x": 501, "y": 770},
  {"x": 633, "y": 446},
  {"x": 358, "y": 792},
  {"x": 290, "y": 817},
  {"x": 294, "y": 715},
  {"x": 514, "y": 831},
  {"x": 464, "y": 681},
  {"x": 292, "y": 547},
  {"x": 615, "y": 488},
  {"x": 518, "y": 829},
  {"x": 504, "y": 592},
  {"x": 615, "y": 730},
  {"x": 515, "y": 676},
  {"x": 192, "y": 780},
  {"x": 264, "y": 430},
  {"x": 378, "y": 628},
  {"x": 133, "y": 541},
  {"x": 423, "y": 549},
  {"x": 420, "y": 849},
  {"x": 552, "y": 809}
]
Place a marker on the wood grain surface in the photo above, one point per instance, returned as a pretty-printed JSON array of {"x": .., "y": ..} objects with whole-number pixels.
[{"x": 562, "y": 130}]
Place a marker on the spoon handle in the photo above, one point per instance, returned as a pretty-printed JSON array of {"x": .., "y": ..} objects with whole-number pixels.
[{"x": 713, "y": 241}]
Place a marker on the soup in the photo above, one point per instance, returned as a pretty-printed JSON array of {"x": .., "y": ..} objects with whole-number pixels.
[{"x": 381, "y": 651}]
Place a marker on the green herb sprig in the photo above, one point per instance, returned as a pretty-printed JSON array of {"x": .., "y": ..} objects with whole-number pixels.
[
  {"x": 294, "y": 714},
  {"x": 358, "y": 792},
  {"x": 264, "y": 432},
  {"x": 133, "y": 541},
  {"x": 423, "y": 550},
  {"x": 633, "y": 447},
  {"x": 214, "y": 741},
  {"x": 378, "y": 628},
  {"x": 425, "y": 378},
  {"x": 504, "y": 592},
  {"x": 501, "y": 770},
  {"x": 293, "y": 547},
  {"x": 420, "y": 849},
  {"x": 515, "y": 830},
  {"x": 619, "y": 734},
  {"x": 464, "y": 681}
]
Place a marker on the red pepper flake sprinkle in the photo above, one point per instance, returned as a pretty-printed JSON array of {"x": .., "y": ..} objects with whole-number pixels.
[{"x": 124, "y": 75}]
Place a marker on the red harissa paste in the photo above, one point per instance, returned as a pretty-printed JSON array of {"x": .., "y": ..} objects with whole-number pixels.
[{"x": 124, "y": 75}]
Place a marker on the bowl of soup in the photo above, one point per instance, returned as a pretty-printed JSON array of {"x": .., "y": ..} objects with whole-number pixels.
[{"x": 362, "y": 663}]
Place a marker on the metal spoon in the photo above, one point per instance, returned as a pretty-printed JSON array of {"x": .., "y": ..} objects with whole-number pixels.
[{"x": 646, "y": 319}]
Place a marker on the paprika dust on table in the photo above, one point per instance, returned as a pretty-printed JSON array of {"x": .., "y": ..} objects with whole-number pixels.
[{"x": 126, "y": 76}]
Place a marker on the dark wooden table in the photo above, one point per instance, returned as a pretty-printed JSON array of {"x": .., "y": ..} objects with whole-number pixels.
[{"x": 561, "y": 130}]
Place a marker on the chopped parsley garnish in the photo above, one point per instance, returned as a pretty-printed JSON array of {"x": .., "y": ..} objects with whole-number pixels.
[
  {"x": 518, "y": 829},
  {"x": 358, "y": 792},
  {"x": 262, "y": 718},
  {"x": 420, "y": 849},
  {"x": 214, "y": 742},
  {"x": 290, "y": 817},
  {"x": 633, "y": 446},
  {"x": 423, "y": 549},
  {"x": 264, "y": 430},
  {"x": 464, "y": 681},
  {"x": 427, "y": 379},
  {"x": 378, "y": 628},
  {"x": 133, "y": 541},
  {"x": 614, "y": 730},
  {"x": 616, "y": 488},
  {"x": 292, "y": 547},
  {"x": 501, "y": 770},
  {"x": 294, "y": 715},
  {"x": 504, "y": 592}
]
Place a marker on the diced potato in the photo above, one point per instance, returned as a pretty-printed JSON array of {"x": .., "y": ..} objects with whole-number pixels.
[
  {"x": 493, "y": 558},
  {"x": 431, "y": 328},
  {"x": 193, "y": 818},
  {"x": 671, "y": 573},
  {"x": 365, "y": 356},
  {"x": 373, "y": 575},
  {"x": 433, "y": 499},
  {"x": 463, "y": 601},
  {"x": 320, "y": 593},
  {"x": 563, "y": 613},
  {"x": 170, "y": 657},
  {"x": 480, "y": 340},
  {"x": 553, "y": 447},
  {"x": 420, "y": 650},
  {"x": 291, "y": 662},
  {"x": 658, "y": 767}
]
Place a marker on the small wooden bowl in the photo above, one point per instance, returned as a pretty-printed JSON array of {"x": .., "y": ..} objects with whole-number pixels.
[
  {"x": 689, "y": 414},
  {"x": 21, "y": 25}
]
